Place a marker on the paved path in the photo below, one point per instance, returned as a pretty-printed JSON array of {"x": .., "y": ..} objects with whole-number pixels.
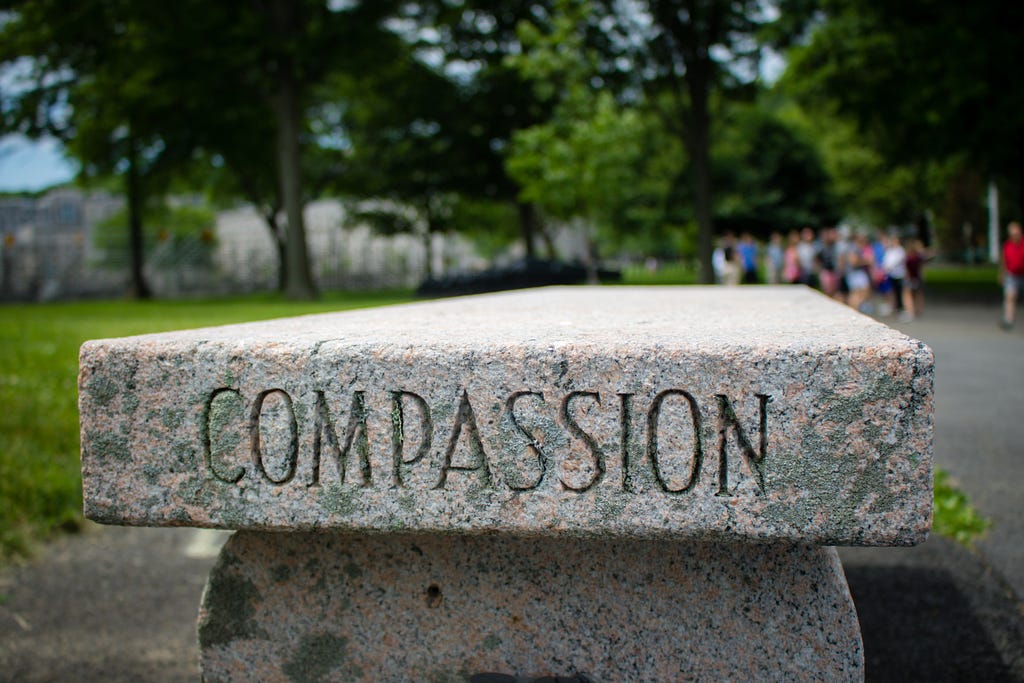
[
  {"x": 111, "y": 604},
  {"x": 979, "y": 420},
  {"x": 119, "y": 604},
  {"x": 937, "y": 612}
]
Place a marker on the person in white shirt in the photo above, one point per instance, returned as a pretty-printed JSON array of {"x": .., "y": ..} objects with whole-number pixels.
[
  {"x": 894, "y": 263},
  {"x": 719, "y": 261},
  {"x": 807, "y": 252}
]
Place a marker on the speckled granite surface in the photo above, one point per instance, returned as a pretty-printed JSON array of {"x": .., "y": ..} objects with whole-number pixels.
[
  {"x": 304, "y": 607},
  {"x": 683, "y": 413}
]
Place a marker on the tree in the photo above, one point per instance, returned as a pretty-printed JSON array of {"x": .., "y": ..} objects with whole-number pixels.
[
  {"x": 94, "y": 82},
  {"x": 869, "y": 188},
  {"x": 589, "y": 159},
  {"x": 404, "y": 125},
  {"x": 690, "y": 50},
  {"x": 469, "y": 41},
  {"x": 144, "y": 89},
  {"x": 769, "y": 174},
  {"x": 273, "y": 56},
  {"x": 926, "y": 81}
]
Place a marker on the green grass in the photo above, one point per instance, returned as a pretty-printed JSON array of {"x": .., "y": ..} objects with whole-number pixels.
[
  {"x": 667, "y": 274},
  {"x": 975, "y": 282},
  {"x": 954, "y": 516},
  {"x": 40, "y": 484}
]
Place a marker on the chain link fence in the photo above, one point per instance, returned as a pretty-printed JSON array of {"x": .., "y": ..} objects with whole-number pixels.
[{"x": 49, "y": 253}]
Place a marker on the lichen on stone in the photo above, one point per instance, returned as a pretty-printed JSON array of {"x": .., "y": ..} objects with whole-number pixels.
[
  {"x": 102, "y": 389},
  {"x": 338, "y": 500},
  {"x": 230, "y": 609},
  {"x": 317, "y": 658},
  {"x": 108, "y": 446}
]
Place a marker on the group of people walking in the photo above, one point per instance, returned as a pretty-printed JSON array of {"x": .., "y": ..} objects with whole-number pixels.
[
  {"x": 875, "y": 274},
  {"x": 880, "y": 274}
]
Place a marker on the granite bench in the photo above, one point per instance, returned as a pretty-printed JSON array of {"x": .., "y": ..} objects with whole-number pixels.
[{"x": 620, "y": 484}]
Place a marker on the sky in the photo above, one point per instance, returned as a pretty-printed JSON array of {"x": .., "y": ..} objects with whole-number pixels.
[{"x": 29, "y": 166}]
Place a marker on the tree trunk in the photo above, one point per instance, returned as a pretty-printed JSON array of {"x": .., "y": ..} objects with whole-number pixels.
[
  {"x": 282, "y": 262},
  {"x": 286, "y": 101},
  {"x": 527, "y": 226},
  {"x": 270, "y": 218},
  {"x": 593, "y": 257},
  {"x": 428, "y": 251},
  {"x": 698, "y": 142},
  {"x": 691, "y": 28},
  {"x": 138, "y": 288},
  {"x": 549, "y": 244}
]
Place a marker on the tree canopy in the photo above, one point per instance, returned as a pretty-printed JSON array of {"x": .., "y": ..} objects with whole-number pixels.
[
  {"x": 141, "y": 90},
  {"x": 928, "y": 84},
  {"x": 647, "y": 120}
]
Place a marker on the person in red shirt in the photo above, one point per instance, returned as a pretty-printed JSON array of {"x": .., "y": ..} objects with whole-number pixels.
[{"x": 1012, "y": 272}]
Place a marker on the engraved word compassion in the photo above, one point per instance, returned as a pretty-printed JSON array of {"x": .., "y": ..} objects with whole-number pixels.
[{"x": 668, "y": 447}]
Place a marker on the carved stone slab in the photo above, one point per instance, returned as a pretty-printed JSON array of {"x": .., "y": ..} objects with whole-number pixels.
[
  {"x": 435, "y": 608},
  {"x": 701, "y": 413}
]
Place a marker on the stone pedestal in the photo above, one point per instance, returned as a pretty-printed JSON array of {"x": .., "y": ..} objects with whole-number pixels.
[
  {"x": 635, "y": 484},
  {"x": 311, "y": 607}
]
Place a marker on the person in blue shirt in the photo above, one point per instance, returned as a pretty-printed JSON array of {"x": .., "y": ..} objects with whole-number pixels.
[{"x": 747, "y": 251}]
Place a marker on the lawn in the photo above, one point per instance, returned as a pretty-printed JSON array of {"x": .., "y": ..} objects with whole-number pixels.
[
  {"x": 40, "y": 486},
  {"x": 952, "y": 281},
  {"x": 666, "y": 274}
]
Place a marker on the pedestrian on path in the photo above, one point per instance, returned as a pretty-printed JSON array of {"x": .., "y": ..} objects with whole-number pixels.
[
  {"x": 791, "y": 271},
  {"x": 913, "y": 298},
  {"x": 807, "y": 253},
  {"x": 746, "y": 250},
  {"x": 894, "y": 264},
  {"x": 1012, "y": 273},
  {"x": 774, "y": 259}
]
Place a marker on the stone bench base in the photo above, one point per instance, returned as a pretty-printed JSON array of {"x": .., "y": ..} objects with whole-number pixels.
[{"x": 303, "y": 607}]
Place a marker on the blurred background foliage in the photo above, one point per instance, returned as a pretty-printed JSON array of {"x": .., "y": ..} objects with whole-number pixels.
[{"x": 650, "y": 125}]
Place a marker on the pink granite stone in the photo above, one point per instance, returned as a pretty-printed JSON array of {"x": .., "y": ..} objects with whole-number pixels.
[
  {"x": 684, "y": 413},
  {"x": 331, "y": 607}
]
